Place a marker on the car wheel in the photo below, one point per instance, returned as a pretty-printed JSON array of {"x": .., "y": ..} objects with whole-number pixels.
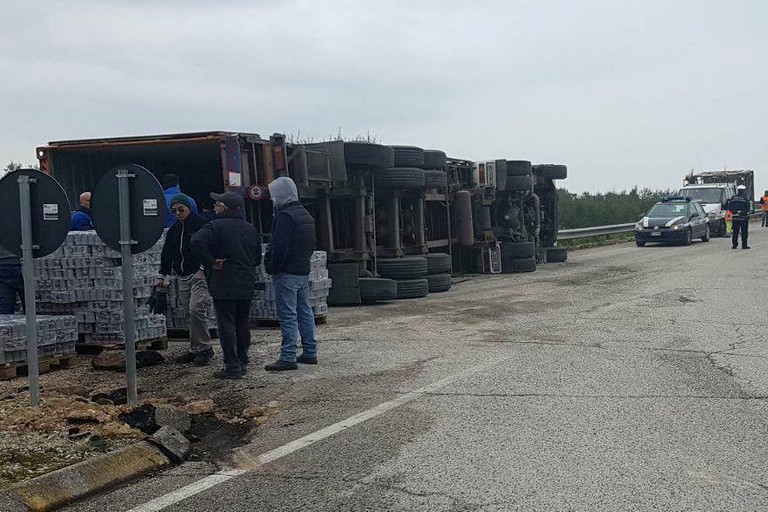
[
  {"x": 723, "y": 229},
  {"x": 688, "y": 237},
  {"x": 705, "y": 238},
  {"x": 639, "y": 243}
]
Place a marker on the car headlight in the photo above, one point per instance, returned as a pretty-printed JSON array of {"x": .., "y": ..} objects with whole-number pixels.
[
  {"x": 638, "y": 227},
  {"x": 677, "y": 227}
]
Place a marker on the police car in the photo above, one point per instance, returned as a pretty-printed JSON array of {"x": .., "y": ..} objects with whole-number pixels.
[{"x": 673, "y": 220}]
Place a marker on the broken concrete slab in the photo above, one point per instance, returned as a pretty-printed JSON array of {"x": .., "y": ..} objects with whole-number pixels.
[
  {"x": 150, "y": 418},
  {"x": 173, "y": 444},
  {"x": 200, "y": 407}
]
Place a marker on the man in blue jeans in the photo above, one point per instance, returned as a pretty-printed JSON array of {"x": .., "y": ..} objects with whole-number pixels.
[{"x": 288, "y": 261}]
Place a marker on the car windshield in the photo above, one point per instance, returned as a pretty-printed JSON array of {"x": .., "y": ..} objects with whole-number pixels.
[
  {"x": 706, "y": 195},
  {"x": 668, "y": 210}
]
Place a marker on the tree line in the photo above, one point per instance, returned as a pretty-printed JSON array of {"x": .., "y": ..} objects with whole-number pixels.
[{"x": 601, "y": 209}]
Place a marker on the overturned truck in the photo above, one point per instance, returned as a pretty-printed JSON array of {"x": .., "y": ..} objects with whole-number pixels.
[{"x": 395, "y": 221}]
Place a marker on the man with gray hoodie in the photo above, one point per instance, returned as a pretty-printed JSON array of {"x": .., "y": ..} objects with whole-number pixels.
[{"x": 288, "y": 261}]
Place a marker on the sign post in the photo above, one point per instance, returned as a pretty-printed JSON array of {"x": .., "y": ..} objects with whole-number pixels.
[{"x": 28, "y": 271}]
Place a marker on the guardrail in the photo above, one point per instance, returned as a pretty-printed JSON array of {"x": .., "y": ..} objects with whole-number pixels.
[{"x": 570, "y": 234}]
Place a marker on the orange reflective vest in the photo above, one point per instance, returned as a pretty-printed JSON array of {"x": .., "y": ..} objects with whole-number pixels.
[
  {"x": 728, "y": 216},
  {"x": 764, "y": 203}
]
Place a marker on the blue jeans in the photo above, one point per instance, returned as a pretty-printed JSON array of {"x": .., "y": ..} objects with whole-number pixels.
[
  {"x": 295, "y": 314},
  {"x": 11, "y": 285}
]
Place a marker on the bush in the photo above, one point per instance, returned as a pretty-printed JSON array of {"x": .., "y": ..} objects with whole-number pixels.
[{"x": 603, "y": 209}]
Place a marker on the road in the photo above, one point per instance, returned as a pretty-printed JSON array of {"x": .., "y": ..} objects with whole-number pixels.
[{"x": 624, "y": 379}]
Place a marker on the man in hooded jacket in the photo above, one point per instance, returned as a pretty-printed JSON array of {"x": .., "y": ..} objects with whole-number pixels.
[
  {"x": 288, "y": 261},
  {"x": 229, "y": 248}
]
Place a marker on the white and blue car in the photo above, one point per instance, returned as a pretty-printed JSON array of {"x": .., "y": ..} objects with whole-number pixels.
[{"x": 673, "y": 220}]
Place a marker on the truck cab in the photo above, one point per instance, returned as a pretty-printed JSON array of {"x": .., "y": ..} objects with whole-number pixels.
[{"x": 712, "y": 197}]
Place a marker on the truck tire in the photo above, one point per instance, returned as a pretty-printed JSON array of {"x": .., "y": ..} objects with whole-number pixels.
[
  {"x": 408, "y": 156},
  {"x": 409, "y": 267},
  {"x": 520, "y": 183},
  {"x": 518, "y": 167},
  {"x": 552, "y": 171},
  {"x": 439, "y": 283},
  {"x": 438, "y": 263},
  {"x": 434, "y": 159},
  {"x": 556, "y": 254},
  {"x": 363, "y": 154},
  {"x": 400, "y": 177},
  {"x": 523, "y": 265},
  {"x": 374, "y": 289},
  {"x": 435, "y": 178},
  {"x": 412, "y": 288},
  {"x": 513, "y": 250}
]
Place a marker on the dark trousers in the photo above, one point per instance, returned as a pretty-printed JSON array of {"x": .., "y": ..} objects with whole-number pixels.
[
  {"x": 233, "y": 319},
  {"x": 742, "y": 226},
  {"x": 11, "y": 285}
]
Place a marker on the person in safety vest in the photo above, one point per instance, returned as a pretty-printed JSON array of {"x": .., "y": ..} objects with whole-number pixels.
[
  {"x": 728, "y": 221},
  {"x": 764, "y": 208}
]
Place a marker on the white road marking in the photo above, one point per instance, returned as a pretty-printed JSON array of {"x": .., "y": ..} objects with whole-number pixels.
[{"x": 265, "y": 458}]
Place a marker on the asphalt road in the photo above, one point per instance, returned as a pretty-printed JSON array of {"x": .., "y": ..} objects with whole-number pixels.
[{"x": 624, "y": 379}]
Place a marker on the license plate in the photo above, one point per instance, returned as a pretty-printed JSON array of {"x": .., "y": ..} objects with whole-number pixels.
[{"x": 655, "y": 233}]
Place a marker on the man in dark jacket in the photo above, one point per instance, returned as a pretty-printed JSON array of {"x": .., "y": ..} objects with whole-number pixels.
[
  {"x": 740, "y": 207},
  {"x": 81, "y": 219},
  {"x": 178, "y": 259},
  {"x": 288, "y": 261},
  {"x": 230, "y": 249},
  {"x": 11, "y": 281}
]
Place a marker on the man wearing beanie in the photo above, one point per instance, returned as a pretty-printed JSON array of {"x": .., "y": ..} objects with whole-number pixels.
[
  {"x": 178, "y": 259},
  {"x": 230, "y": 248}
]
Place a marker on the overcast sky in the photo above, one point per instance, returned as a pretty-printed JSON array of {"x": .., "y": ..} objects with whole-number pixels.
[{"x": 623, "y": 92}]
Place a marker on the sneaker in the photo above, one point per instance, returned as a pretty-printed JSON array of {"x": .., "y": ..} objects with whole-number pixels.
[
  {"x": 186, "y": 358},
  {"x": 224, "y": 374},
  {"x": 280, "y": 365},
  {"x": 203, "y": 358},
  {"x": 306, "y": 359}
]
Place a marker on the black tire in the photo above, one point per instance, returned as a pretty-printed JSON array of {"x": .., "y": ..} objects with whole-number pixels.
[
  {"x": 707, "y": 234},
  {"x": 557, "y": 254},
  {"x": 522, "y": 183},
  {"x": 435, "y": 178},
  {"x": 439, "y": 283},
  {"x": 513, "y": 250},
  {"x": 639, "y": 243},
  {"x": 363, "y": 154},
  {"x": 518, "y": 167},
  {"x": 552, "y": 171},
  {"x": 434, "y": 159},
  {"x": 412, "y": 288},
  {"x": 688, "y": 237},
  {"x": 723, "y": 229},
  {"x": 373, "y": 289},
  {"x": 408, "y": 156},
  {"x": 523, "y": 265},
  {"x": 409, "y": 267},
  {"x": 400, "y": 177},
  {"x": 438, "y": 262}
]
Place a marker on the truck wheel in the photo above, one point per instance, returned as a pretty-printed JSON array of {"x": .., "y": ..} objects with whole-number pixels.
[
  {"x": 552, "y": 171},
  {"x": 408, "y": 156},
  {"x": 363, "y": 154},
  {"x": 556, "y": 254},
  {"x": 512, "y": 250},
  {"x": 435, "y": 178},
  {"x": 434, "y": 159},
  {"x": 400, "y": 177},
  {"x": 705, "y": 238},
  {"x": 688, "y": 237},
  {"x": 409, "y": 267},
  {"x": 639, "y": 243},
  {"x": 438, "y": 262},
  {"x": 524, "y": 265},
  {"x": 412, "y": 288},
  {"x": 374, "y": 289},
  {"x": 439, "y": 283},
  {"x": 520, "y": 183},
  {"x": 518, "y": 167}
]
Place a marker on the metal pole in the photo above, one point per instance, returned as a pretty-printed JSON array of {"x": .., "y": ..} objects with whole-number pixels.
[
  {"x": 28, "y": 272},
  {"x": 127, "y": 258}
]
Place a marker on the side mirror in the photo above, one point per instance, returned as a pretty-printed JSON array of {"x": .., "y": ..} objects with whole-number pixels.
[{"x": 694, "y": 216}]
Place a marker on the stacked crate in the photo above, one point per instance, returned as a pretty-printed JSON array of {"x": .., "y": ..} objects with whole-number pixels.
[
  {"x": 263, "y": 306},
  {"x": 84, "y": 278},
  {"x": 56, "y": 337}
]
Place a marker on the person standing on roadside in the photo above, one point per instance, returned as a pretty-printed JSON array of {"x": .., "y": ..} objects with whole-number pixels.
[
  {"x": 81, "y": 219},
  {"x": 170, "y": 189},
  {"x": 740, "y": 207},
  {"x": 230, "y": 249},
  {"x": 764, "y": 208},
  {"x": 288, "y": 261},
  {"x": 179, "y": 259},
  {"x": 11, "y": 282}
]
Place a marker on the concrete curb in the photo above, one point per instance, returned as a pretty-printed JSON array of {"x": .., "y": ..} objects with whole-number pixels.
[{"x": 71, "y": 483}]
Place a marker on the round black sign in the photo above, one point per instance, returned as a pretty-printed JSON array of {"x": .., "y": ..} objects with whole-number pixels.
[
  {"x": 147, "y": 207},
  {"x": 51, "y": 215}
]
